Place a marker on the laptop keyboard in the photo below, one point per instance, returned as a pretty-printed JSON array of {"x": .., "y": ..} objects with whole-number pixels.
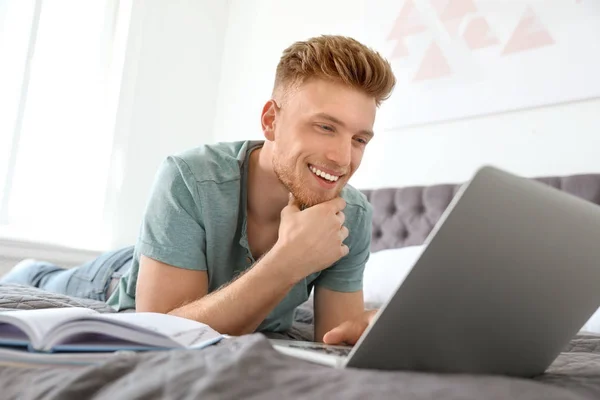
[{"x": 335, "y": 351}]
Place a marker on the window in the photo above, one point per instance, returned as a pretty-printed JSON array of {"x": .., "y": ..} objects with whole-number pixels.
[{"x": 56, "y": 135}]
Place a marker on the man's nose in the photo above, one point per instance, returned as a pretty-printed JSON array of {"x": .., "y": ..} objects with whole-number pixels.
[{"x": 340, "y": 153}]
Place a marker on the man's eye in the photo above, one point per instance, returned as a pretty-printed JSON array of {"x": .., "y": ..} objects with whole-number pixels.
[
  {"x": 326, "y": 128},
  {"x": 361, "y": 141}
]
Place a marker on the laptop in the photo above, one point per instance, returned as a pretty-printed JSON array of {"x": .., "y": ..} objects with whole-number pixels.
[{"x": 509, "y": 274}]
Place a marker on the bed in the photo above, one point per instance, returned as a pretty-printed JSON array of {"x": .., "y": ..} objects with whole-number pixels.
[{"x": 248, "y": 366}]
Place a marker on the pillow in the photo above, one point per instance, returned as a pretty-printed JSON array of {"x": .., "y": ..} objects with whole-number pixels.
[
  {"x": 593, "y": 323},
  {"x": 384, "y": 272}
]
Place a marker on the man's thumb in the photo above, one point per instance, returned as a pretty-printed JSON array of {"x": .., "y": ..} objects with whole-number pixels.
[
  {"x": 334, "y": 336},
  {"x": 348, "y": 332}
]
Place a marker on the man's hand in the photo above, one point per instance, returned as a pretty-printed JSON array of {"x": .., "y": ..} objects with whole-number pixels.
[
  {"x": 350, "y": 331},
  {"x": 309, "y": 241},
  {"x": 312, "y": 239}
]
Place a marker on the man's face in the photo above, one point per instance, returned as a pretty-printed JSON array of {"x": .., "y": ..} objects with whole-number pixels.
[{"x": 320, "y": 135}]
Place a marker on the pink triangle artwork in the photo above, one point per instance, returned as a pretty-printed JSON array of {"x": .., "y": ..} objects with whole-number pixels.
[
  {"x": 400, "y": 49},
  {"x": 528, "y": 35},
  {"x": 434, "y": 64},
  {"x": 464, "y": 58},
  {"x": 408, "y": 23},
  {"x": 478, "y": 34},
  {"x": 452, "y": 13}
]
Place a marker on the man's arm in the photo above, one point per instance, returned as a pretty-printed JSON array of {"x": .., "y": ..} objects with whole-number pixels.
[
  {"x": 243, "y": 304},
  {"x": 333, "y": 308},
  {"x": 235, "y": 309},
  {"x": 339, "y": 306}
]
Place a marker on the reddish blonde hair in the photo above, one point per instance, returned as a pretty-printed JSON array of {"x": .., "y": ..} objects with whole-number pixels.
[{"x": 335, "y": 58}]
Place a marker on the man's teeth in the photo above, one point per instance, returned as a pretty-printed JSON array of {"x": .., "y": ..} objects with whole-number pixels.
[{"x": 318, "y": 172}]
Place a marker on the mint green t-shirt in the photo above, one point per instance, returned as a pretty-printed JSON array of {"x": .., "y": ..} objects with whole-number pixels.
[{"x": 196, "y": 219}]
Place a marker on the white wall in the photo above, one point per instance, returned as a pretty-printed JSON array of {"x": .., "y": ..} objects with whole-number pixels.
[
  {"x": 167, "y": 101},
  {"x": 257, "y": 33},
  {"x": 200, "y": 71},
  {"x": 555, "y": 140}
]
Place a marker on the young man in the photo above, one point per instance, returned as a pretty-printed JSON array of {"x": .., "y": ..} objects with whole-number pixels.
[{"x": 237, "y": 235}]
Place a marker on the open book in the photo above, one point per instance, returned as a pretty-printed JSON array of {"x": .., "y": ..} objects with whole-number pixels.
[{"x": 78, "y": 329}]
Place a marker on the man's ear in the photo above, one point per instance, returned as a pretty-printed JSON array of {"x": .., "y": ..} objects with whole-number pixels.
[{"x": 268, "y": 119}]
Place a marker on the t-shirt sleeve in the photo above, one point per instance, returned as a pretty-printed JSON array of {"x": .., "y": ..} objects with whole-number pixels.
[
  {"x": 172, "y": 229},
  {"x": 346, "y": 275}
]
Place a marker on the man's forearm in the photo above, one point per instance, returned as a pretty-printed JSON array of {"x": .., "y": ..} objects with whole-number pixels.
[{"x": 241, "y": 306}]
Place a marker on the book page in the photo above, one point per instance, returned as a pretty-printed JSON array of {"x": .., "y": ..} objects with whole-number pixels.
[
  {"x": 186, "y": 332},
  {"x": 42, "y": 321},
  {"x": 12, "y": 336}
]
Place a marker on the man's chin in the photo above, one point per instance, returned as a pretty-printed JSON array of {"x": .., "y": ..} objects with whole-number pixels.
[
  {"x": 308, "y": 195},
  {"x": 308, "y": 200}
]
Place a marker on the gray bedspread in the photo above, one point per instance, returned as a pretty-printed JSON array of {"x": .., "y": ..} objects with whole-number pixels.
[
  {"x": 20, "y": 297},
  {"x": 248, "y": 367}
]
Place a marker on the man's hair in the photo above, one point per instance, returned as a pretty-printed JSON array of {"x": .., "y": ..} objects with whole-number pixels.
[{"x": 338, "y": 59}]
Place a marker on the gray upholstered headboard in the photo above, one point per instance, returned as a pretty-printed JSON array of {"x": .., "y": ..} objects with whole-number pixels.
[{"x": 405, "y": 216}]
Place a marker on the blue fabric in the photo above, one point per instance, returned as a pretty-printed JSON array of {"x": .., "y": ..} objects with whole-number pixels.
[{"x": 90, "y": 280}]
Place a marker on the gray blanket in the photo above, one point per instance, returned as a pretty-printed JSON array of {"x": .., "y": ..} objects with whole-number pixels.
[
  {"x": 249, "y": 367},
  {"x": 20, "y": 297}
]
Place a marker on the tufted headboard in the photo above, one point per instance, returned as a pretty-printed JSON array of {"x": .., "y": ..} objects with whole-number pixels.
[{"x": 405, "y": 216}]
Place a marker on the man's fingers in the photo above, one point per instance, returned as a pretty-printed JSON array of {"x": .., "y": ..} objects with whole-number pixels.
[
  {"x": 344, "y": 250},
  {"x": 349, "y": 332},
  {"x": 341, "y": 217},
  {"x": 337, "y": 204},
  {"x": 334, "y": 336},
  {"x": 344, "y": 232}
]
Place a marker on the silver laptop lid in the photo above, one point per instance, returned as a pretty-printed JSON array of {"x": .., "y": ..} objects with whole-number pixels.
[{"x": 509, "y": 274}]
